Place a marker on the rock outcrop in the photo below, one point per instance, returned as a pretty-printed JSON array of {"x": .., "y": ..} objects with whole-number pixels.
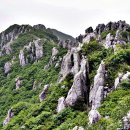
[
  {"x": 38, "y": 49},
  {"x": 8, "y": 117},
  {"x": 89, "y": 30},
  {"x": 89, "y": 37},
  {"x": 120, "y": 78},
  {"x": 120, "y": 27},
  {"x": 22, "y": 59},
  {"x": 7, "y": 67},
  {"x": 117, "y": 80},
  {"x": 68, "y": 44},
  {"x": 97, "y": 92},
  {"x": 39, "y": 26},
  {"x": 9, "y": 35},
  {"x": 42, "y": 95},
  {"x": 79, "y": 88},
  {"x": 61, "y": 104},
  {"x": 125, "y": 122},
  {"x": 94, "y": 116},
  {"x": 54, "y": 60},
  {"x": 31, "y": 53},
  {"x": 18, "y": 82},
  {"x": 70, "y": 64},
  {"x": 78, "y": 128},
  {"x": 100, "y": 28}
]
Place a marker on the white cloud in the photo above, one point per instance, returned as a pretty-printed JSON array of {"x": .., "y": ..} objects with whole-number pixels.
[{"x": 69, "y": 16}]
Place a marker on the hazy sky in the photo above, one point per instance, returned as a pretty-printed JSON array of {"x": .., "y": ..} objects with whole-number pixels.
[{"x": 69, "y": 16}]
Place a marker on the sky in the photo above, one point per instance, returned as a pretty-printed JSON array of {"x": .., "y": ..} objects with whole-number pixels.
[{"x": 69, "y": 16}]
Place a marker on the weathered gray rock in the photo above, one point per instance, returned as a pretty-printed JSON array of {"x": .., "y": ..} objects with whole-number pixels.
[
  {"x": 70, "y": 64},
  {"x": 61, "y": 104},
  {"x": 88, "y": 38},
  {"x": 94, "y": 116},
  {"x": 39, "y": 49},
  {"x": 120, "y": 78},
  {"x": 54, "y": 51},
  {"x": 78, "y": 128},
  {"x": 79, "y": 87},
  {"x": 42, "y": 95},
  {"x": 117, "y": 80},
  {"x": 8, "y": 117},
  {"x": 109, "y": 40},
  {"x": 22, "y": 59},
  {"x": 9, "y": 35},
  {"x": 6, "y": 49},
  {"x": 68, "y": 44},
  {"x": 117, "y": 37},
  {"x": 126, "y": 125},
  {"x": 7, "y": 67},
  {"x": 97, "y": 92},
  {"x": 18, "y": 82},
  {"x": 54, "y": 60},
  {"x": 126, "y": 76},
  {"x": 34, "y": 51}
]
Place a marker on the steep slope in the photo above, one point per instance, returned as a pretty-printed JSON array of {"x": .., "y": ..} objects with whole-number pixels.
[{"x": 82, "y": 86}]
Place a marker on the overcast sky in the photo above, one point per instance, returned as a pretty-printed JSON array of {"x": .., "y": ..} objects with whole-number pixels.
[{"x": 68, "y": 16}]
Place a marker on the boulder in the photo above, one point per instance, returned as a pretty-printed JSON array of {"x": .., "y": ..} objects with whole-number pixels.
[
  {"x": 94, "y": 116},
  {"x": 7, "y": 67},
  {"x": 61, "y": 104},
  {"x": 42, "y": 95},
  {"x": 8, "y": 117}
]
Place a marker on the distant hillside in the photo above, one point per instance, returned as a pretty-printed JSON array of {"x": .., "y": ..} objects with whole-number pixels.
[{"x": 62, "y": 36}]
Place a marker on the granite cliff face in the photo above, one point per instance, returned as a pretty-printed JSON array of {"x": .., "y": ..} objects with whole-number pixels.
[{"x": 50, "y": 80}]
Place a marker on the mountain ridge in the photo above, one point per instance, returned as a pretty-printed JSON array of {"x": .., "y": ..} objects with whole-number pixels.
[{"x": 48, "y": 84}]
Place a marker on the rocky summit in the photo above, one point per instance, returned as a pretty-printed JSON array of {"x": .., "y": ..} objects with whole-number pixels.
[{"x": 52, "y": 81}]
